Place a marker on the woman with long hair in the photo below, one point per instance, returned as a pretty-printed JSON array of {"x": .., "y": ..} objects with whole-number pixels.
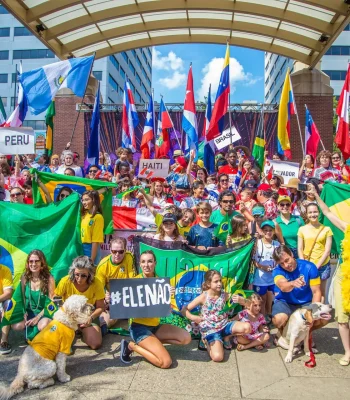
[
  {"x": 92, "y": 224},
  {"x": 81, "y": 280},
  {"x": 306, "y": 168},
  {"x": 197, "y": 196},
  {"x": 128, "y": 199},
  {"x": 157, "y": 193},
  {"x": 325, "y": 171},
  {"x": 37, "y": 285},
  {"x": 307, "y": 198},
  {"x": 168, "y": 229}
]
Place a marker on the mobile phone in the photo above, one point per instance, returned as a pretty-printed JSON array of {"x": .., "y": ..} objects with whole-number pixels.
[{"x": 302, "y": 187}]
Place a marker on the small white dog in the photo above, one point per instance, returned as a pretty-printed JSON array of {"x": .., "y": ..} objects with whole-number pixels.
[
  {"x": 47, "y": 352},
  {"x": 298, "y": 327}
]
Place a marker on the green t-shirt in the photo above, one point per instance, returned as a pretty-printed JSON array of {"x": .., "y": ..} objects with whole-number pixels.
[
  {"x": 223, "y": 223},
  {"x": 290, "y": 230}
]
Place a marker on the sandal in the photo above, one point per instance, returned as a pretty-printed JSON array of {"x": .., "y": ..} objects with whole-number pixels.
[
  {"x": 201, "y": 345},
  {"x": 240, "y": 347},
  {"x": 344, "y": 361},
  {"x": 260, "y": 347},
  {"x": 227, "y": 345}
]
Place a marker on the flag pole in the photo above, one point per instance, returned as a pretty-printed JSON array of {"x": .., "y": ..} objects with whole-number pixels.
[
  {"x": 229, "y": 100},
  {"x": 301, "y": 136},
  {"x": 15, "y": 92},
  {"x": 320, "y": 135},
  {"x": 154, "y": 122},
  {"x": 82, "y": 102}
]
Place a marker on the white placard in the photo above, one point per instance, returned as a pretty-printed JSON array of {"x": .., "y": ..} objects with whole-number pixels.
[
  {"x": 286, "y": 169},
  {"x": 17, "y": 141},
  {"x": 225, "y": 140},
  {"x": 153, "y": 168}
]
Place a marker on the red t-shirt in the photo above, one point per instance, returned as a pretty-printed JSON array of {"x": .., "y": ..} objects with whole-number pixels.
[
  {"x": 227, "y": 169},
  {"x": 28, "y": 200}
]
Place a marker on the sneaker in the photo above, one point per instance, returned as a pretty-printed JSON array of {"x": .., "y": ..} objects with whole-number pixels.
[
  {"x": 5, "y": 348},
  {"x": 125, "y": 352},
  {"x": 104, "y": 329}
]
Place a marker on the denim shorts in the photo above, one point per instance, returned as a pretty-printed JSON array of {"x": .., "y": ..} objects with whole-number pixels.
[
  {"x": 140, "y": 332},
  {"x": 325, "y": 271},
  {"x": 262, "y": 290},
  {"x": 217, "y": 336},
  {"x": 281, "y": 307}
]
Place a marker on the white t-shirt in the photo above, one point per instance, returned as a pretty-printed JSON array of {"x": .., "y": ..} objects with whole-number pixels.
[
  {"x": 76, "y": 169},
  {"x": 263, "y": 255}
]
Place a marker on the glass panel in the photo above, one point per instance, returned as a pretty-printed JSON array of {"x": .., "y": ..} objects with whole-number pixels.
[
  {"x": 118, "y": 22},
  {"x": 195, "y": 31},
  {"x": 114, "y": 61},
  {"x": 227, "y": 16},
  {"x": 270, "y": 3},
  {"x": 256, "y": 20},
  {"x": 251, "y": 36},
  {"x": 4, "y": 32},
  {"x": 22, "y": 31},
  {"x": 148, "y": 17},
  {"x": 169, "y": 32},
  {"x": 97, "y": 75},
  {"x": 4, "y": 101},
  {"x": 4, "y": 54},
  {"x": 33, "y": 3},
  {"x": 62, "y": 16},
  {"x": 300, "y": 30},
  {"x": 3, "y": 10},
  {"x": 78, "y": 34},
  {"x": 292, "y": 46},
  {"x": 99, "y": 5},
  {"x": 112, "y": 82},
  {"x": 128, "y": 38},
  {"x": 312, "y": 11},
  {"x": 90, "y": 49},
  {"x": 3, "y": 78}
]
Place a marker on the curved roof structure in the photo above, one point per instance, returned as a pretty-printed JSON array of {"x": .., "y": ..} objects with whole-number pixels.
[{"x": 302, "y": 30}]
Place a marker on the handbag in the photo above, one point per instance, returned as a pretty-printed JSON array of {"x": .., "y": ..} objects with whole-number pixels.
[{"x": 307, "y": 257}]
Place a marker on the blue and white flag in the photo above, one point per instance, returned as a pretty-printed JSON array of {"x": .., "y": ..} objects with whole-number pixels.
[
  {"x": 94, "y": 141},
  {"x": 41, "y": 85},
  {"x": 209, "y": 149}
]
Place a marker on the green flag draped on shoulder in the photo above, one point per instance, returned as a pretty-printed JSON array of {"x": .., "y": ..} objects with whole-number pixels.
[
  {"x": 55, "y": 182},
  {"x": 2, "y": 113},
  {"x": 259, "y": 145},
  {"x": 337, "y": 198},
  {"x": 50, "y": 113}
]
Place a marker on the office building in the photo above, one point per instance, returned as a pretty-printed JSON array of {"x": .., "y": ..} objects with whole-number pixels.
[{"x": 334, "y": 63}]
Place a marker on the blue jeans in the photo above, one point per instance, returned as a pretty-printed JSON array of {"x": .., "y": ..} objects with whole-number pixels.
[
  {"x": 87, "y": 248},
  {"x": 139, "y": 332},
  {"x": 325, "y": 271},
  {"x": 217, "y": 336}
]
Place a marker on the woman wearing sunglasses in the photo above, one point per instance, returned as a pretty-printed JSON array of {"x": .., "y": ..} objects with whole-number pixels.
[
  {"x": 117, "y": 265},
  {"x": 81, "y": 280}
]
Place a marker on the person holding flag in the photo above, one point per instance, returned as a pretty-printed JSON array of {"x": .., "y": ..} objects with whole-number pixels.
[
  {"x": 130, "y": 118},
  {"x": 189, "y": 119},
  {"x": 148, "y": 131}
]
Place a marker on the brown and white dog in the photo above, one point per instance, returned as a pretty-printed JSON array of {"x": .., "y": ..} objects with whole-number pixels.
[
  {"x": 297, "y": 329},
  {"x": 37, "y": 371}
]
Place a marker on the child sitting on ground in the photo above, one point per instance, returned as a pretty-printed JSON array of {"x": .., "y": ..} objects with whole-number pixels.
[
  {"x": 202, "y": 235},
  {"x": 259, "y": 335},
  {"x": 239, "y": 230}
]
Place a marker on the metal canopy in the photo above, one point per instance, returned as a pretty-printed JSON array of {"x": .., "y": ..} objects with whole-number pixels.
[{"x": 302, "y": 30}]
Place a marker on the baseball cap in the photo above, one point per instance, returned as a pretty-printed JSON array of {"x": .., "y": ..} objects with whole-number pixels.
[
  {"x": 268, "y": 223},
  {"x": 178, "y": 153},
  {"x": 200, "y": 163},
  {"x": 264, "y": 187},
  {"x": 258, "y": 210},
  {"x": 169, "y": 218},
  {"x": 250, "y": 184},
  {"x": 182, "y": 161},
  {"x": 284, "y": 198}
]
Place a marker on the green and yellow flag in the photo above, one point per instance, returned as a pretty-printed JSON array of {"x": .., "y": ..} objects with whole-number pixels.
[
  {"x": 50, "y": 113},
  {"x": 259, "y": 145},
  {"x": 55, "y": 182},
  {"x": 337, "y": 198}
]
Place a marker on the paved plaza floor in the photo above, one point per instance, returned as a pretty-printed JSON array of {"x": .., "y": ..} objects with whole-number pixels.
[{"x": 99, "y": 375}]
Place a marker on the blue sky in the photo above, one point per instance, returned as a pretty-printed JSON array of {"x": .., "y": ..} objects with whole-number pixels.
[{"x": 171, "y": 64}]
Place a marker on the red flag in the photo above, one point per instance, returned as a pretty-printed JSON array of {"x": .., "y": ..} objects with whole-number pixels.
[
  {"x": 163, "y": 140},
  {"x": 342, "y": 139},
  {"x": 269, "y": 174}
]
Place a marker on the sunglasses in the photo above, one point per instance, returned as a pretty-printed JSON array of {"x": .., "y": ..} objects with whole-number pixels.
[
  {"x": 16, "y": 194},
  {"x": 285, "y": 205},
  {"x": 63, "y": 196},
  {"x": 117, "y": 251},
  {"x": 223, "y": 180},
  {"x": 228, "y": 201},
  {"x": 256, "y": 216},
  {"x": 81, "y": 275},
  {"x": 94, "y": 171},
  {"x": 335, "y": 158}
]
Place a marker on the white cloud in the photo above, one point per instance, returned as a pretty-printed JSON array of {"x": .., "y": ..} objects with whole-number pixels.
[
  {"x": 174, "y": 81},
  {"x": 212, "y": 72},
  {"x": 169, "y": 62}
]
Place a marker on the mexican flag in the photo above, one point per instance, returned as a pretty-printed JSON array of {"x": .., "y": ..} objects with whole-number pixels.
[
  {"x": 2, "y": 113},
  {"x": 337, "y": 198},
  {"x": 55, "y": 182},
  {"x": 133, "y": 218},
  {"x": 50, "y": 113}
]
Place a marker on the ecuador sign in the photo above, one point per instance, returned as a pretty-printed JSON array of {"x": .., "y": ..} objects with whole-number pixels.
[
  {"x": 286, "y": 169},
  {"x": 17, "y": 141}
]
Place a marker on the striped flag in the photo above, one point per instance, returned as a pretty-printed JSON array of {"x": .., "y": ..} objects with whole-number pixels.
[
  {"x": 209, "y": 148},
  {"x": 259, "y": 144},
  {"x": 163, "y": 140},
  {"x": 285, "y": 110},
  {"x": 312, "y": 136},
  {"x": 148, "y": 131},
  {"x": 189, "y": 119},
  {"x": 342, "y": 139},
  {"x": 94, "y": 140},
  {"x": 51, "y": 112},
  {"x": 2, "y": 113},
  {"x": 130, "y": 118}
]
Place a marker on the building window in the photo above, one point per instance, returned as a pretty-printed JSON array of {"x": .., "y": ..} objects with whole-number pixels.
[
  {"x": 132, "y": 67},
  {"x": 144, "y": 88},
  {"x": 139, "y": 62},
  {"x": 125, "y": 56},
  {"x": 4, "y": 55},
  {"x": 14, "y": 77},
  {"x": 36, "y": 125},
  {"x": 113, "y": 83},
  {"x": 338, "y": 51},
  {"x": 4, "y": 101},
  {"x": 267, "y": 66},
  {"x": 22, "y": 31},
  {"x": 32, "y": 54},
  {"x": 114, "y": 61},
  {"x": 110, "y": 101},
  {"x": 138, "y": 97},
  {"x": 3, "y": 78},
  {"x": 144, "y": 57},
  {"x": 347, "y": 28},
  {"x": 149, "y": 68},
  {"x": 4, "y": 32},
  {"x": 336, "y": 75},
  {"x": 149, "y": 53},
  {"x": 121, "y": 91},
  {"x": 138, "y": 79},
  {"x": 98, "y": 75},
  {"x": 122, "y": 72},
  {"x": 132, "y": 87},
  {"x": 133, "y": 51},
  {"x": 3, "y": 10},
  {"x": 14, "y": 101}
]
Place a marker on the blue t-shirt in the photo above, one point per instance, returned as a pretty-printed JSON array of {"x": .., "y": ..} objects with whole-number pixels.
[
  {"x": 199, "y": 236},
  {"x": 301, "y": 295}
]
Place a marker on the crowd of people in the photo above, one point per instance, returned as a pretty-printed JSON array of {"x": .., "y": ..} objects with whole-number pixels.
[{"x": 237, "y": 203}]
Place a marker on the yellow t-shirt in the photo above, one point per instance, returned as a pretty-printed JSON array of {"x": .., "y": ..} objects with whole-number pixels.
[
  {"x": 66, "y": 289},
  {"x": 92, "y": 228},
  {"x": 106, "y": 270},
  {"x": 308, "y": 234},
  {"x": 53, "y": 339},
  {"x": 146, "y": 321},
  {"x": 5, "y": 279},
  {"x": 183, "y": 230}
]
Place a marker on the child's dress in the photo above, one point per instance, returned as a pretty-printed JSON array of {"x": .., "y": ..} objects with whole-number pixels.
[
  {"x": 213, "y": 321},
  {"x": 255, "y": 334}
]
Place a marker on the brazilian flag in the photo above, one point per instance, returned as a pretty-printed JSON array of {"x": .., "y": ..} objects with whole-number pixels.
[
  {"x": 55, "y": 182},
  {"x": 259, "y": 145},
  {"x": 337, "y": 198},
  {"x": 50, "y": 113}
]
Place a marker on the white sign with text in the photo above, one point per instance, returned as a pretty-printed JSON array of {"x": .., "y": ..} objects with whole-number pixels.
[
  {"x": 153, "y": 168},
  {"x": 227, "y": 138},
  {"x": 286, "y": 169},
  {"x": 17, "y": 141}
]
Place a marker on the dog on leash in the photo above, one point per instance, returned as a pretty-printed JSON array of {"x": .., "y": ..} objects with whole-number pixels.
[
  {"x": 297, "y": 329},
  {"x": 47, "y": 352}
]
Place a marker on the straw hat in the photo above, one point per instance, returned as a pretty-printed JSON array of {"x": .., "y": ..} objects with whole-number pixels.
[
  {"x": 279, "y": 177},
  {"x": 293, "y": 183}
]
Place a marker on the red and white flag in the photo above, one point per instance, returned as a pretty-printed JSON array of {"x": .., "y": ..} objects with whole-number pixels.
[
  {"x": 342, "y": 138},
  {"x": 132, "y": 218},
  {"x": 312, "y": 136}
]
